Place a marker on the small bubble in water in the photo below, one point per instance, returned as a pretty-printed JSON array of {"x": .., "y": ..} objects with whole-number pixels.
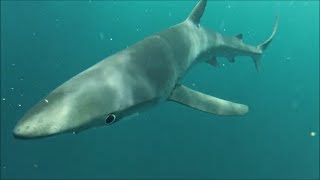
[
  {"x": 19, "y": 105},
  {"x": 34, "y": 33},
  {"x": 110, "y": 39},
  {"x": 137, "y": 29},
  {"x": 101, "y": 34},
  {"x": 46, "y": 100},
  {"x": 312, "y": 133},
  {"x": 35, "y": 165},
  {"x": 193, "y": 84},
  {"x": 12, "y": 88},
  {"x": 229, "y": 6},
  {"x": 3, "y": 99},
  {"x": 13, "y": 64}
]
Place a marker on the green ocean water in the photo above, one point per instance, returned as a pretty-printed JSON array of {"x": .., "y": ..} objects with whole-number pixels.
[{"x": 44, "y": 43}]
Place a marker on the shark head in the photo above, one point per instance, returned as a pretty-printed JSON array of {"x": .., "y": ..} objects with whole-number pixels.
[{"x": 85, "y": 101}]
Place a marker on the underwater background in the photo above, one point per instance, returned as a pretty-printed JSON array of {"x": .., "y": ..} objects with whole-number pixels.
[{"x": 44, "y": 43}]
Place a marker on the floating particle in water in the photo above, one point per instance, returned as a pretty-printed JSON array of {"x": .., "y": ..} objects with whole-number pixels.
[
  {"x": 137, "y": 29},
  {"x": 291, "y": 3},
  {"x": 312, "y": 133},
  {"x": 169, "y": 13},
  {"x": 221, "y": 25},
  {"x": 295, "y": 104},
  {"x": 4, "y": 167},
  {"x": 101, "y": 34},
  {"x": 73, "y": 132},
  {"x": 3, "y": 99},
  {"x": 35, "y": 165},
  {"x": 193, "y": 84},
  {"x": 229, "y": 6},
  {"x": 34, "y": 34},
  {"x": 57, "y": 20},
  {"x": 110, "y": 39},
  {"x": 12, "y": 88},
  {"x": 223, "y": 64},
  {"x": 19, "y": 105},
  {"x": 224, "y": 30},
  {"x": 46, "y": 100},
  {"x": 13, "y": 64}
]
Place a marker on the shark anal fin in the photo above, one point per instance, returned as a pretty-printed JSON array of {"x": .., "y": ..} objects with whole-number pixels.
[
  {"x": 213, "y": 61},
  {"x": 206, "y": 103}
]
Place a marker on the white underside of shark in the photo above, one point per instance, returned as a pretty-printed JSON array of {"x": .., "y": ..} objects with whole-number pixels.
[{"x": 140, "y": 76}]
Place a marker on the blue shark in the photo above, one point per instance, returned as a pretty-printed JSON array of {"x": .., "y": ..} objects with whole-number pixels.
[{"x": 141, "y": 76}]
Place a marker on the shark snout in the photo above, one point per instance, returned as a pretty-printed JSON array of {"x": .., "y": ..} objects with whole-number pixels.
[
  {"x": 32, "y": 129},
  {"x": 20, "y": 132},
  {"x": 25, "y": 131},
  {"x": 19, "y": 135}
]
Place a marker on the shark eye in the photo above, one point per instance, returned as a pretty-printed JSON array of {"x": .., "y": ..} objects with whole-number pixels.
[{"x": 111, "y": 118}]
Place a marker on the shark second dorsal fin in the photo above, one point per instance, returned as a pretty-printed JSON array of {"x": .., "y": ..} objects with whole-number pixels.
[
  {"x": 206, "y": 103},
  {"x": 197, "y": 12}
]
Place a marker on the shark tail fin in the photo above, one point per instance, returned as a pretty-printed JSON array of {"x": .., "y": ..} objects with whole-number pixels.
[
  {"x": 256, "y": 60},
  {"x": 263, "y": 46},
  {"x": 197, "y": 12}
]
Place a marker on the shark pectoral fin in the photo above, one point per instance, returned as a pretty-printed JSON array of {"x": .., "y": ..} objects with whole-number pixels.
[
  {"x": 213, "y": 61},
  {"x": 206, "y": 103}
]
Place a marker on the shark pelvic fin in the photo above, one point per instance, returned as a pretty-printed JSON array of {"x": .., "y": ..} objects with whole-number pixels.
[
  {"x": 239, "y": 36},
  {"x": 206, "y": 103},
  {"x": 197, "y": 12},
  {"x": 213, "y": 61},
  {"x": 231, "y": 59}
]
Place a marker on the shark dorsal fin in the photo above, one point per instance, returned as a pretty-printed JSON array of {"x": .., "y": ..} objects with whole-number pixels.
[
  {"x": 239, "y": 36},
  {"x": 197, "y": 12}
]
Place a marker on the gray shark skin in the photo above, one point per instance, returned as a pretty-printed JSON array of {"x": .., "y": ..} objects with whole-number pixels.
[{"x": 138, "y": 77}]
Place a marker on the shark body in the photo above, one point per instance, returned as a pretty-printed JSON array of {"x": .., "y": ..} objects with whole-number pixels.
[{"x": 140, "y": 76}]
